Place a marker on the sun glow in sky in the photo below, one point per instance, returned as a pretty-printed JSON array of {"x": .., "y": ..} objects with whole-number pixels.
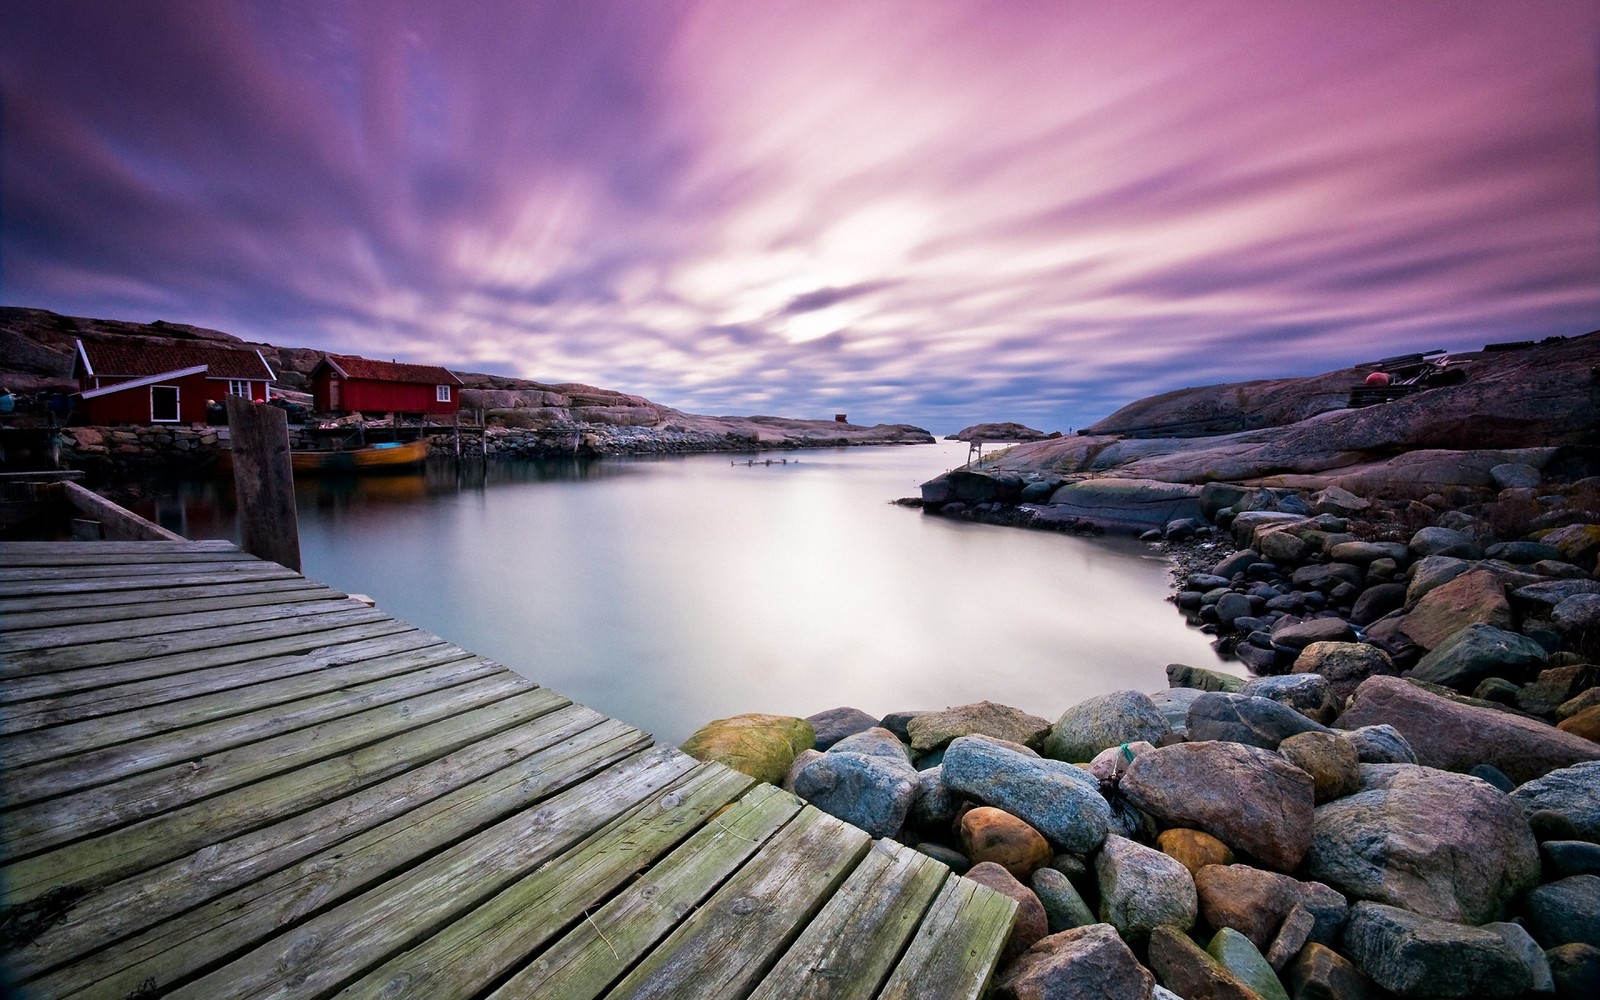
[{"x": 934, "y": 211}]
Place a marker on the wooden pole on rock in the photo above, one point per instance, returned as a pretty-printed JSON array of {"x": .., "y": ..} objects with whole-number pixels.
[{"x": 264, "y": 480}]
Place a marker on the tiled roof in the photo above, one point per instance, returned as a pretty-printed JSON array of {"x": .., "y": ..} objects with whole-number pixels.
[
  {"x": 390, "y": 371},
  {"x": 138, "y": 360}
]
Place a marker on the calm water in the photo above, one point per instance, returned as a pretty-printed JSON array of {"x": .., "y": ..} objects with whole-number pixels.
[{"x": 667, "y": 592}]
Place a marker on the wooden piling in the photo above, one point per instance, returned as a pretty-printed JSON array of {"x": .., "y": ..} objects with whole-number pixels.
[{"x": 263, "y": 477}]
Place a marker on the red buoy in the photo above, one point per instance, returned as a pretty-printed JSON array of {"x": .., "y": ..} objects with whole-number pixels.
[{"x": 1378, "y": 378}]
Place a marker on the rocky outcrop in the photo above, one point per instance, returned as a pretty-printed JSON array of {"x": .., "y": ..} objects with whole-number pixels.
[
  {"x": 1532, "y": 411},
  {"x": 1003, "y": 431}
]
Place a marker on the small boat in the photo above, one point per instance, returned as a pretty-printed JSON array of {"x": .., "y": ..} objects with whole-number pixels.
[
  {"x": 388, "y": 456},
  {"x": 371, "y": 458}
]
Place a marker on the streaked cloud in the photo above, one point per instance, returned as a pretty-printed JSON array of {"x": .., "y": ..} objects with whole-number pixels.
[{"x": 928, "y": 211}]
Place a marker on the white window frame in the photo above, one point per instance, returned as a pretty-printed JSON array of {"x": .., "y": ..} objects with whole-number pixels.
[
  {"x": 441, "y": 394},
  {"x": 239, "y": 387},
  {"x": 177, "y": 405}
]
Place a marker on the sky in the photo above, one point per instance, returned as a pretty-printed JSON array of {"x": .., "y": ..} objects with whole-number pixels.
[{"x": 929, "y": 211}]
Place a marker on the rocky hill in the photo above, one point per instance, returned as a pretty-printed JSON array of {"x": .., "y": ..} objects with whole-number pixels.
[
  {"x": 1537, "y": 405},
  {"x": 36, "y": 356}
]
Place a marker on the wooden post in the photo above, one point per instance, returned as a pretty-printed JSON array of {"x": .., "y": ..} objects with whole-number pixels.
[{"x": 264, "y": 479}]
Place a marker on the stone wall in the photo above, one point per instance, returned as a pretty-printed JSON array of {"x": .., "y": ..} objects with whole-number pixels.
[{"x": 142, "y": 447}]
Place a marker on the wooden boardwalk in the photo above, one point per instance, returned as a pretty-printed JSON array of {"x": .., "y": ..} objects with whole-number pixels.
[{"x": 221, "y": 779}]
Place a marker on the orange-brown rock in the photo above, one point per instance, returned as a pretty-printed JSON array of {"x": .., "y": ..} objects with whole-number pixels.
[
  {"x": 1586, "y": 724},
  {"x": 1194, "y": 849},
  {"x": 1329, "y": 758},
  {"x": 990, "y": 834}
]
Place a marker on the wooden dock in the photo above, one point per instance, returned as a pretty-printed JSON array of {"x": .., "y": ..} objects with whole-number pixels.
[{"x": 222, "y": 779}]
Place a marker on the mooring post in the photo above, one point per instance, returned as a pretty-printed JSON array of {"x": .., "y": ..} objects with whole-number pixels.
[{"x": 263, "y": 477}]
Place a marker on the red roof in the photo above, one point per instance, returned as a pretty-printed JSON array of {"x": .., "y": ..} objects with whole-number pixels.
[
  {"x": 116, "y": 360},
  {"x": 351, "y": 366}
]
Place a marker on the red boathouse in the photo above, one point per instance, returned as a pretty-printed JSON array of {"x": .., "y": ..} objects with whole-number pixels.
[
  {"x": 164, "y": 384},
  {"x": 342, "y": 383}
]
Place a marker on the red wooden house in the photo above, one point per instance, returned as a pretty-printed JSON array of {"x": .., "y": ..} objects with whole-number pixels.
[
  {"x": 342, "y": 383},
  {"x": 164, "y": 384}
]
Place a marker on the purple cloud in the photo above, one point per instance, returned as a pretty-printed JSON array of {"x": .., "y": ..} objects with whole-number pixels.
[{"x": 937, "y": 212}]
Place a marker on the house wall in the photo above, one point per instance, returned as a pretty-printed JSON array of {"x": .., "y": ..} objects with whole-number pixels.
[
  {"x": 133, "y": 406},
  {"x": 372, "y": 396}
]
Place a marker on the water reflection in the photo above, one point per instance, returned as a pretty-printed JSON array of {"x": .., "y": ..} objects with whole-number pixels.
[{"x": 669, "y": 591}]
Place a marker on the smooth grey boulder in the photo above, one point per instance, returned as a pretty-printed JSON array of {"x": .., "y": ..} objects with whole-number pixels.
[
  {"x": 874, "y": 792},
  {"x": 1436, "y": 541},
  {"x": 1566, "y": 911},
  {"x": 1362, "y": 553},
  {"x": 1064, "y": 908},
  {"x": 1377, "y": 601},
  {"x": 1306, "y": 693},
  {"x": 1107, "y": 720},
  {"x": 1412, "y": 955},
  {"x": 1516, "y": 476},
  {"x": 1457, "y": 737},
  {"x": 1526, "y": 948},
  {"x": 1141, "y": 889},
  {"x": 1060, "y": 800},
  {"x": 1432, "y": 572},
  {"x": 837, "y": 723},
  {"x": 934, "y": 808},
  {"x": 1440, "y": 844},
  {"x": 1084, "y": 963},
  {"x": 1249, "y": 798},
  {"x": 874, "y": 742},
  {"x": 1231, "y": 607},
  {"x": 1573, "y": 792},
  {"x": 1477, "y": 652},
  {"x": 1247, "y": 719},
  {"x": 1579, "y": 614},
  {"x": 1174, "y": 704},
  {"x": 1550, "y": 593},
  {"x": 1299, "y": 635},
  {"x": 1569, "y": 857},
  {"x": 1381, "y": 744}
]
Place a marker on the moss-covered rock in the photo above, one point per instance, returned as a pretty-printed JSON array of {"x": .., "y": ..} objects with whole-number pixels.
[{"x": 762, "y": 746}]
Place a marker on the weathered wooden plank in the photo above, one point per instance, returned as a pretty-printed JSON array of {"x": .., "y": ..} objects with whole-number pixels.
[
  {"x": 112, "y": 598},
  {"x": 728, "y": 944},
  {"x": 35, "y": 661},
  {"x": 85, "y": 613},
  {"x": 494, "y": 938},
  {"x": 146, "y": 713},
  {"x": 850, "y": 947},
  {"x": 955, "y": 951},
  {"x": 95, "y": 571},
  {"x": 40, "y": 766},
  {"x": 153, "y": 841},
  {"x": 54, "y": 640},
  {"x": 255, "y": 886},
  {"x": 343, "y": 943},
  {"x": 89, "y": 554},
  {"x": 33, "y": 825},
  {"x": 598, "y": 950},
  {"x": 31, "y": 552},
  {"x": 213, "y": 573},
  {"x": 235, "y": 665}
]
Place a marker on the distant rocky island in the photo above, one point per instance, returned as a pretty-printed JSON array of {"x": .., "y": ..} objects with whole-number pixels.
[{"x": 524, "y": 417}]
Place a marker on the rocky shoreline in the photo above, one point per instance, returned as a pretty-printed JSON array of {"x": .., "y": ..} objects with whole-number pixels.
[{"x": 1403, "y": 801}]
